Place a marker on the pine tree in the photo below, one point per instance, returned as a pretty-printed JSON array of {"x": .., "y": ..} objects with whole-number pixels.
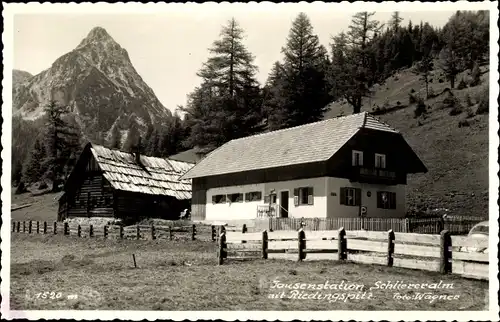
[
  {"x": 302, "y": 92},
  {"x": 355, "y": 77},
  {"x": 115, "y": 137},
  {"x": 33, "y": 168},
  {"x": 63, "y": 142},
  {"x": 451, "y": 63},
  {"x": 227, "y": 105},
  {"x": 133, "y": 136},
  {"x": 395, "y": 21},
  {"x": 423, "y": 68},
  {"x": 475, "y": 75}
]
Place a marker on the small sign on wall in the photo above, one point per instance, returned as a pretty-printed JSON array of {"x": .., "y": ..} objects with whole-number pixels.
[{"x": 334, "y": 194}]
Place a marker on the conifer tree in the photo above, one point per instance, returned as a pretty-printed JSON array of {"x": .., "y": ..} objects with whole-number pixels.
[
  {"x": 63, "y": 143},
  {"x": 227, "y": 105},
  {"x": 355, "y": 77},
  {"x": 302, "y": 91},
  {"x": 115, "y": 137}
]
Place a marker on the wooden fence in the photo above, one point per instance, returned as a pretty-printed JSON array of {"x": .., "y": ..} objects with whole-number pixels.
[
  {"x": 150, "y": 232},
  {"x": 441, "y": 252},
  {"x": 456, "y": 225}
]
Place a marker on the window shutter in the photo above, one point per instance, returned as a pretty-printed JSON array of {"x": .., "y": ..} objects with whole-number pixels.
[
  {"x": 358, "y": 196},
  {"x": 342, "y": 196},
  {"x": 214, "y": 200},
  {"x": 310, "y": 196},
  {"x": 296, "y": 197},
  {"x": 379, "y": 199},
  {"x": 393, "y": 200},
  {"x": 267, "y": 198}
]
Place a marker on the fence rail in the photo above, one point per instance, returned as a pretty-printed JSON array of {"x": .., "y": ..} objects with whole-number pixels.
[
  {"x": 148, "y": 232},
  {"x": 455, "y": 225},
  {"x": 442, "y": 253}
]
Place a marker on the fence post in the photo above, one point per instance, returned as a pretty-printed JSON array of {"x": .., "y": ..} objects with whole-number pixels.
[
  {"x": 213, "y": 233},
  {"x": 29, "y": 227},
  {"x": 138, "y": 233},
  {"x": 302, "y": 244},
  {"x": 407, "y": 226},
  {"x": 18, "y": 226},
  {"x": 44, "y": 227},
  {"x": 121, "y": 232},
  {"x": 243, "y": 231},
  {"x": 79, "y": 231},
  {"x": 153, "y": 237},
  {"x": 66, "y": 228},
  {"x": 342, "y": 246},
  {"x": 222, "y": 248},
  {"x": 91, "y": 230},
  {"x": 264, "y": 244},
  {"x": 170, "y": 232},
  {"x": 193, "y": 232},
  {"x": 55, "y": 227},
  {"x": 24, "y": 226},
  {"x": 390, "y": 247},
  {"x": 105, "y": 231},
  {"x": 37, "y": 227},
  {"x": 445, "y": 263}
]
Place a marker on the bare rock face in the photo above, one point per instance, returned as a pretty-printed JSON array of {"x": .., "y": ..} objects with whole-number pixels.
[{"x": 97, "y": 81}]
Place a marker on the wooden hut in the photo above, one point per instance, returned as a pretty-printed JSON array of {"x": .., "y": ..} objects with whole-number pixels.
[{"x": 130, "y": 186}]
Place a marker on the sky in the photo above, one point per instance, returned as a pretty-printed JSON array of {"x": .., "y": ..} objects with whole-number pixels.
[{"x": 168, "y": 47}]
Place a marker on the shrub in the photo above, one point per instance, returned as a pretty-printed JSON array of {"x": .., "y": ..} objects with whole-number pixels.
[
  {"x": 412, "y": 91},
  {"x": 456, "y": 110},
  {"x": 43, "y": 185},
  {"x": 431, "y": 93},
  {"x": 463, "y": 123},
  {"x": 412, "y": 99},
  {"x": 450, "y": 101},
  {"x": 475, "y": 75},
  {"x": 469, "y": 112},
  {"x": 421, "y": 109},
  {"x": 398, "y": 103},
  {"x": 468, "y": 100},
  {"x": 461, "y": 84},
  {"x": 484, "y": 101},
  {"x": 441, "y": 81}
]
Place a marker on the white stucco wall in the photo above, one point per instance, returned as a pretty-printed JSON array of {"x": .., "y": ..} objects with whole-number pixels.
[
  {"x": 325, "y": 203},
  {"x": 335, "y": 209},
  {"x": 248, "y": 210}
]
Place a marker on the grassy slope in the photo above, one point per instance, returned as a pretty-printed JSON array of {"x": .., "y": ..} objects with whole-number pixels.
[
  {"x": 457, "y": 158},
  {"x": 184, "y": 276},
  {"x": 43, "y": 208}
]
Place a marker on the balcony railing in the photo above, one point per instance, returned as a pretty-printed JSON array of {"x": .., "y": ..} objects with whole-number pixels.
[
  {"x": 266, "y": 211},
  {"x": 375, "y": 175}
]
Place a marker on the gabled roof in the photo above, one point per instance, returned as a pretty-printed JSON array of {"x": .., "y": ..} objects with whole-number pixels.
[
  {"x": 158, "y": 176},
  {"x": 313, "y": 142}
]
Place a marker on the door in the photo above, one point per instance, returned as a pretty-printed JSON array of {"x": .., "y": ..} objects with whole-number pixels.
[{"x": 284, "y": 204}]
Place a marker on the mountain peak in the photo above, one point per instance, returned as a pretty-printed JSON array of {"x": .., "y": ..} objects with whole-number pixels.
[{"x": 98, "y": 33}]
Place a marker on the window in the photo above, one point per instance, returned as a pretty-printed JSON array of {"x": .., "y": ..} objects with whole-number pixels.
[
  {"x": 235, "y": 197},
  {"x": 357, "y": 158},
  {"x": 219, "y": 199},
  {"x": 380, "y": 161},
  {"x": 386, "y": 200},
  {"x": 303, "y": 196},
  {"x": 350, "y": 196},
  {"x": 253, "y": 196}
]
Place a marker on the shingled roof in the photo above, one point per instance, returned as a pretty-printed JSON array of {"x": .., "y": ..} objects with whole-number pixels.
[
  {"x": 313, "y": 142},
  {"x": 158, "y": 176}
]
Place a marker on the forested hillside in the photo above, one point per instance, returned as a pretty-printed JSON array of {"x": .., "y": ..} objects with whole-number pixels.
[{"x": 430, "y": 83}]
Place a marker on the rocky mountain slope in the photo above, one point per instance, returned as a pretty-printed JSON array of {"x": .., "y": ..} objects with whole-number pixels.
[
  {"x": 97, "y": 81},
  {"x": 19, "y": 76}
]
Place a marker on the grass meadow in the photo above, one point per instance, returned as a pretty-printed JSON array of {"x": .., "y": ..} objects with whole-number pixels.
[{"x": 89, "y": 274}]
